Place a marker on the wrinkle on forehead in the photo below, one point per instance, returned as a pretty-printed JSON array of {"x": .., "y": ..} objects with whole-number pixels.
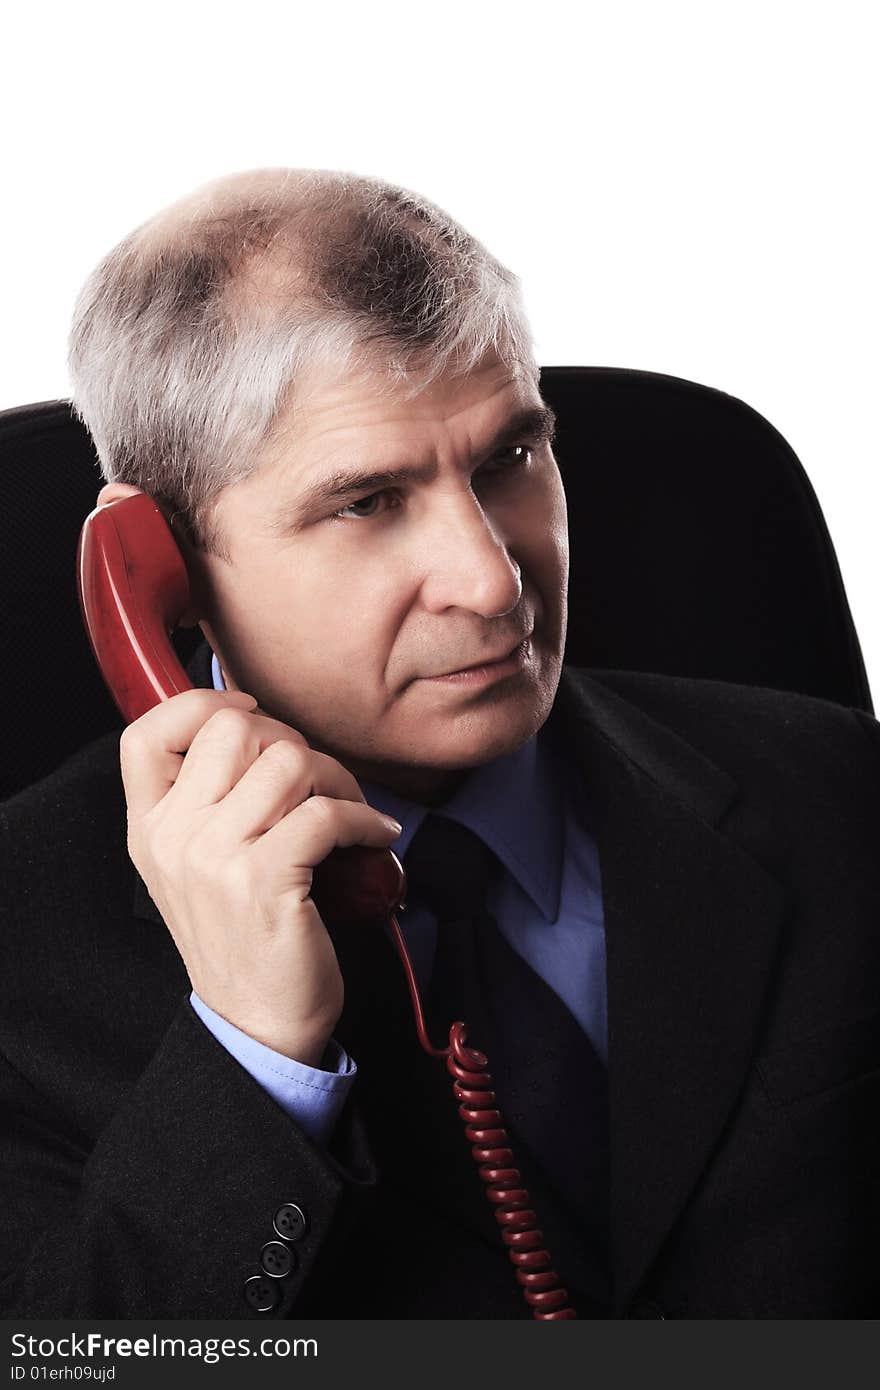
[{"x": 347, "y": 399}]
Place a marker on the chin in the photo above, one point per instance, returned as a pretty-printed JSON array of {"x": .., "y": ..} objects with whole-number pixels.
[{"x": 481, "y": 735}]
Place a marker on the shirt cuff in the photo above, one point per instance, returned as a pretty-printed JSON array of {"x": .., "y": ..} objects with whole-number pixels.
[{"x": 312, "y": 1097}]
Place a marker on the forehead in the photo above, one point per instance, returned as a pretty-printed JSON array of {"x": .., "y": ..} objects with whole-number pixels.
[
  {"x": 355, "y": 435},
  {"x": 358, "y": 409}
]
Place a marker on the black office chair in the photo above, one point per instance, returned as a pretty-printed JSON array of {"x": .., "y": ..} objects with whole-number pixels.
[{"x": 698, "y": 549}]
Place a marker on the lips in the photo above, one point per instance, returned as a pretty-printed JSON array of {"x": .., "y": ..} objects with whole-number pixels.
[{"x": 485, "y": 660}]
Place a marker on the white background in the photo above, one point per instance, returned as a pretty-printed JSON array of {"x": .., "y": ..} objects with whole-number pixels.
[{"x": 688, "y": 188}]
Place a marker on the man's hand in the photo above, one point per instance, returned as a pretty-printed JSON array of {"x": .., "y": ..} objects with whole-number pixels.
[{"x": 228, "y": 813}]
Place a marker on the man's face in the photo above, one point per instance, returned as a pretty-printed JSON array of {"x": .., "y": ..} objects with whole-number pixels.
[{"x": 346, "y": 606}]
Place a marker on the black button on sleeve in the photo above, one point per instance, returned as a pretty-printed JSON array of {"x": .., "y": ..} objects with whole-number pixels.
[
  {"x": 277, "y": 1259},
  {"x": 262, "y": 1293},
  {"x": 290, "y": 1221}
]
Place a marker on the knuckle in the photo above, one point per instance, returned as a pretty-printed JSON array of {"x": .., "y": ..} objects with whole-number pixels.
[
  {"x": 145, "y": 728},
  {"x": 228, "y": 722},
  {"x": 322, "y": 809},
  {"x": 286, "y": 756}
]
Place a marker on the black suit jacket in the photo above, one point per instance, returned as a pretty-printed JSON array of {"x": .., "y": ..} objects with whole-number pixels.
[{"x": 738, "y": 839}]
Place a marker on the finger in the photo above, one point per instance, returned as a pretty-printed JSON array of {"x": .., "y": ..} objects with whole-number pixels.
[
  {"x": 284, "y": 775},
  {"x": 222, "y": 751},
  {"x": 153, "y": 747},
  {"x": 283, "y": 858}
]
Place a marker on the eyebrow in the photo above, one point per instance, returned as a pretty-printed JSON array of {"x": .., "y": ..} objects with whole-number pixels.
[{"x": 533, "y": 425}]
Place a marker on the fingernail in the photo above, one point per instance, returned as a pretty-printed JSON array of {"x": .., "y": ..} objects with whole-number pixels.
[{"x": 393, "y": 824}]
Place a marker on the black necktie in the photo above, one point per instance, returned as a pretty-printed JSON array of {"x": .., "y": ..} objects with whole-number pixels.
[
  {"x": 550, "y": 1084},
  {"x": 449, "y": 870}
]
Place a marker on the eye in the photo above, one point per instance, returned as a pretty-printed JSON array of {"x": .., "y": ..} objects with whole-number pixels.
[
  {"x": 506, "y": 460},
  {"x": 362, "y": 509}
]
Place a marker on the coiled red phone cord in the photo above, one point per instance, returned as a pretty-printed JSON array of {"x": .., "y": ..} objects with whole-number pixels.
[{"x": 484, "y": 1129}]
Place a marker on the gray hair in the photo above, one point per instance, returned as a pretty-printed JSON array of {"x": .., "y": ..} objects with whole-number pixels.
[{"x": 189, "y": 337}]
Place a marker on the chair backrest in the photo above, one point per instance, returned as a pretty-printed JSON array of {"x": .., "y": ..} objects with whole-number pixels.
[{"x": 698, "y": 549}]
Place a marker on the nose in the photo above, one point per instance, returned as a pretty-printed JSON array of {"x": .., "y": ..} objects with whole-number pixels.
[{"x": 466, "y": 562}]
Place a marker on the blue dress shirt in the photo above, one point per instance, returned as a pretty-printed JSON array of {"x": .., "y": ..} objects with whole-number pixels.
[{"x": 547, "y": 902}]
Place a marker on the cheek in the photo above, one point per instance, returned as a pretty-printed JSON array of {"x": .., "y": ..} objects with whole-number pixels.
[
  {"x": 556, "y": 523},
  {"x": 536, "y": 526},
  {"x": 347, "y": 606}
]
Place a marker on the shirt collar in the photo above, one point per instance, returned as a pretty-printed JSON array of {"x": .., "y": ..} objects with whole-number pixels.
[{"x": 514, "y": 804}]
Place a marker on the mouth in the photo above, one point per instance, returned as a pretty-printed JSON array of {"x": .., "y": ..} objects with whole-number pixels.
[{"x": 495, "y": 668}]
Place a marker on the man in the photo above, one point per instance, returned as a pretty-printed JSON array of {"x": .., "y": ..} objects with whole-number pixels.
[{"x": 217, "y": 1106}]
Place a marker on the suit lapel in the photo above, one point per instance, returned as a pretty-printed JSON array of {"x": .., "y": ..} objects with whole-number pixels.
[{"x": 692, "y": 925}]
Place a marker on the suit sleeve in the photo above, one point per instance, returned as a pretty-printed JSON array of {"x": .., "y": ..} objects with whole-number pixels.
[
  {"x": 312, "y": 1096},
  {"x": 167, "y": 1213}
]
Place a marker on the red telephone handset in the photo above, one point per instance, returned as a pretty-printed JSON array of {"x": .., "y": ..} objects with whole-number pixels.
[{"x": 133, "y": 589}]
